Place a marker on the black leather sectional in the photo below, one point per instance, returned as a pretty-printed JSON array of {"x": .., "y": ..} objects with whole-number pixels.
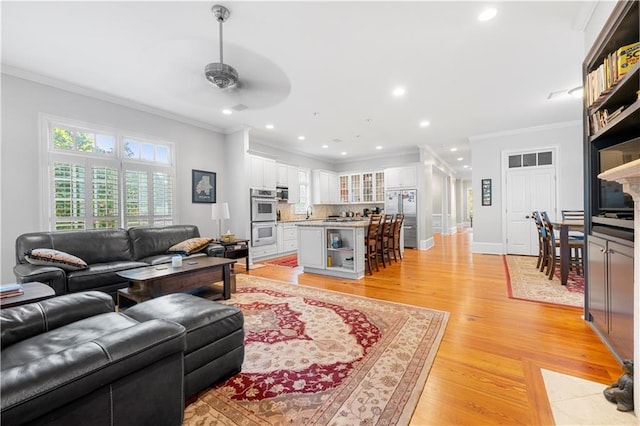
[
  {"x": 72, "y": 360},
  {"x": 106, "y": 251}
]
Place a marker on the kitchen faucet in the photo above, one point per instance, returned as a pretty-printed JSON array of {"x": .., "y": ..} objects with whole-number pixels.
[{"x": 309, "y": 212}]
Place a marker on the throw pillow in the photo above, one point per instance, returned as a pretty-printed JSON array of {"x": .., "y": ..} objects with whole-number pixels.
[
  {"x": 51, "y": 257},
  {"x": 190, "y": 246}
]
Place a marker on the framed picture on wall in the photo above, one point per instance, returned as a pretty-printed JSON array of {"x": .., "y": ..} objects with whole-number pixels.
[
  {"x": 203, "y": 186},
  {"x": 486, "y": 192}
]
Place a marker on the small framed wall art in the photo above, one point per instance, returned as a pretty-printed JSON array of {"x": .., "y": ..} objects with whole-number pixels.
[
  {"x": 486, "y": 192},
  {"x": 203, "y": 186}
]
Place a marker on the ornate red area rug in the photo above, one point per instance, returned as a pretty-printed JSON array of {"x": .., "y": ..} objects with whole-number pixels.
[
  {"x": 288, "y": 261},
  {"x": 525, "y": 281},
  {"x": 325, "y": 358}
]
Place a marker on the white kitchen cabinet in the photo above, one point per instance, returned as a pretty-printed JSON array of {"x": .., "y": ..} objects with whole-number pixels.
[
  {"x": 263, "y": 172},
  {"x": 325, "y": 187},
  {"x": 287, "y": 237},
  {"x": 282, "y": 175},
  {"x": 330, "y": 248},
  {"x": 365, "y": 187},
  {"x": 280, "y": 237},
  {"x": 293, "y": 185},
  {"x": 311, "y": 247},
  {"x": 401, "y": 177},
  {"x": 263, "y": 252}
]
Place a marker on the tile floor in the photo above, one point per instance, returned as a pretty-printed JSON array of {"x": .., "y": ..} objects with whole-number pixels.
[{"x": 577, "y": 401}]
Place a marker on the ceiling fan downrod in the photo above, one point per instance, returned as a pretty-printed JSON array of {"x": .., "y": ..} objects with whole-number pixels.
[{"x": 218, "y": 73}]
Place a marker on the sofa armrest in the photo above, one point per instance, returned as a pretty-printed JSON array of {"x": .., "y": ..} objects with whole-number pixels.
[
  {"x": 55, "y": 278},
  {"x": 214, "y": 250},
  {"x": 33, "y": 389},
  {"x": 21, "y": 322}
]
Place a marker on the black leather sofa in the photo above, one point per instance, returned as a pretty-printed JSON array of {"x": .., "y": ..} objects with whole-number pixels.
[
  {"x": 72, "y": 360},
  {"x": 106, "y": 251}
]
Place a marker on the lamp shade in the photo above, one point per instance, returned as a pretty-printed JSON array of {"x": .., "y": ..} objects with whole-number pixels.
[{"x": 220, "y": 211}]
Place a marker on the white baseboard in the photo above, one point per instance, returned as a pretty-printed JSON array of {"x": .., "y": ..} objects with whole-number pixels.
[
  {"x": 426, "y": 244},
  {"x": 487, "y": 248}
]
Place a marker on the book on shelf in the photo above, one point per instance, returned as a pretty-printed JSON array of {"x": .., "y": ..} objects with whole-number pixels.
[
  {"x": 613, "y": 68},
  {"x": 628, "y": 56}
]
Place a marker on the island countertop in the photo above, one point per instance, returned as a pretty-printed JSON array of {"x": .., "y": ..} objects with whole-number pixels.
[{"x": 363, "y": 223}]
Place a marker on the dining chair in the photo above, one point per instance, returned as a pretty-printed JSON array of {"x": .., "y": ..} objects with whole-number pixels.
[
  {"x": 574, "y": 215},
  {"x": 542, "y": 240},
  {"x": 576, "y": 248},
  {"x": 383, "y": 239},
  {"x": 371, "y": 242},
  {"x": 395, "y": 239}
]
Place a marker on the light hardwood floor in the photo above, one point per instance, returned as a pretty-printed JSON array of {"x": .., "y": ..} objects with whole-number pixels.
[{"x": 487, "y": 370}]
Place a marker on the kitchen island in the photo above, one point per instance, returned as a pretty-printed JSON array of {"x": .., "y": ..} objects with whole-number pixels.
[{"x": 332, "y": 247}]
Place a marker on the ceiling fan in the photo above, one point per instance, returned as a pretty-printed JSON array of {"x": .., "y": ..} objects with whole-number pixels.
[{"x": 222, "y": 75}]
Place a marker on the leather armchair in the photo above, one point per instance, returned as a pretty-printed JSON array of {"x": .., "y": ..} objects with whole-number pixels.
[{"x": 73, "y": 360}]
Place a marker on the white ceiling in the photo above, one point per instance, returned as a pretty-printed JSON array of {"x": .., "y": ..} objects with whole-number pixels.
[{"x": 338, "y": 59}]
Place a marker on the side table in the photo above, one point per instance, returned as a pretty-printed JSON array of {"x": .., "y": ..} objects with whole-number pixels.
[
  {"x": 236, "y": 250},
  {"x": 33, "y": 292}
]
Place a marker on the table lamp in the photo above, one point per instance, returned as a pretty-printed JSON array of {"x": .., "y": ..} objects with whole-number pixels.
[{"x": 219, "y": 212}]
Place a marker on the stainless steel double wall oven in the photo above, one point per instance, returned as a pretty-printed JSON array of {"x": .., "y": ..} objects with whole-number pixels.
[{"x": 263, "y": 217}]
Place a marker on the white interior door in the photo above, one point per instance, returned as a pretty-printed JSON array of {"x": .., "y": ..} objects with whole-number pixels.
[{"x": 528, "y": 190}]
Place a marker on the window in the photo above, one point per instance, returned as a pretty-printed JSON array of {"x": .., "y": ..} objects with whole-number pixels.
[
  {"x": 531, "y": 159},
  {"x": 103, "y": 179},
  {"x": 303, "y": 178}
]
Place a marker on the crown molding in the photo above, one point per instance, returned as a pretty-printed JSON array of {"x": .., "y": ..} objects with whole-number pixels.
[{"x": 534, "y": 129}]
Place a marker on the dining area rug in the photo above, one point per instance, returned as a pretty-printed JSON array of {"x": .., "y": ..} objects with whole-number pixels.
[
  {"x": 320, "y": 357},
  {"x": 526, "y": 282}
]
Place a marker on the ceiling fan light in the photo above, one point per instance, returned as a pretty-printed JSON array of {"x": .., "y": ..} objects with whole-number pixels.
[{"x": 222, "y": 75}]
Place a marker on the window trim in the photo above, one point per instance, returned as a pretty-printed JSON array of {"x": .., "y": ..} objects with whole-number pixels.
[{"x": 49, "y": 155}]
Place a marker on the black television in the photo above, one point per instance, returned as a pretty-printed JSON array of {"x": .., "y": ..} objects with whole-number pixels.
[{"x": 611, "y": 198}]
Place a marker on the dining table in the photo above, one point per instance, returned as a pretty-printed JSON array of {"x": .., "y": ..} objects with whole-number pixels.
[{"x": 565, "y": 252}]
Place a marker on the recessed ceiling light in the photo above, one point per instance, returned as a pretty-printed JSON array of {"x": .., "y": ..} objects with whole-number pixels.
[
  {"x": 269, "y": 126},
  {"x": 343, "y": 153},
  {"x": 453, "y": 149},
  {"x": 399, "y": 91},
  {"x": 424, "y": 123},
  {"x": 460, "y": 158},
  {"x": 378, "y": 147},
  {"x": 227, "y": 112},
  {"x": 465, "y": 166},
  {"x": 325, "y": 146},
  {"x": 301, "y": 138},
  {"x": 369, "y": 120},
  {"x": 487, "y": 14}
]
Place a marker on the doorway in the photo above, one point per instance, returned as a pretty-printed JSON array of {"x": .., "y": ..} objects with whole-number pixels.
[{"x": 530, "y": 186}]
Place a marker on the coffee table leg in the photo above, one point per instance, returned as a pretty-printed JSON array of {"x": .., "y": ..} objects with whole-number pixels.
[{"x": 226, "y": 282}]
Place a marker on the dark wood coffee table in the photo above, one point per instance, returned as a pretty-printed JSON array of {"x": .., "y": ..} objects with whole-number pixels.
[
  {"x": 196, "y": 274},
  {"x": 33, "y": 292}
]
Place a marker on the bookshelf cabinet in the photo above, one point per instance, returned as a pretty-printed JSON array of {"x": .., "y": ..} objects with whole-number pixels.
[{"x": 611, "y": 117}]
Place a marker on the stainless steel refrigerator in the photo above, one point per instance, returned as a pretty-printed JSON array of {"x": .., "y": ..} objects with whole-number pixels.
[{"x": 404, "y": 201}]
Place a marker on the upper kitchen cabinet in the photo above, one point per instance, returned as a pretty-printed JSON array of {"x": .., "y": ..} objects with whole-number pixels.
[
  {"x": 325, "y": 187},
  {"x": 282, "y": 176},
  {"x": 367, "y": 187},
  {"x": 293, "y": 183},
  {"x": 287, "y": 177},
  {"x": 401, "y": 177},
  {"x": 263, "y": 172}
]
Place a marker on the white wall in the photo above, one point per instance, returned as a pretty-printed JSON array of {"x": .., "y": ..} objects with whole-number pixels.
[
  {"x": 486, "y": 164},
  {"x": 23, "y": 100}
]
